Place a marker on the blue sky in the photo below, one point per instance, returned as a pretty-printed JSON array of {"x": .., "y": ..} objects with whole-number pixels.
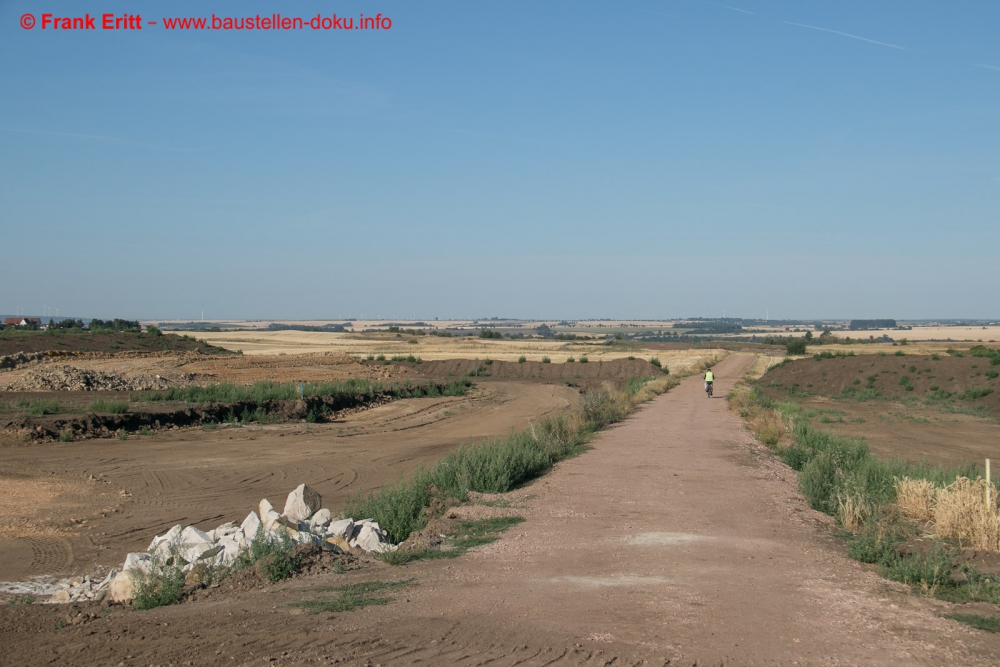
[{"x": 524, "y": 159}]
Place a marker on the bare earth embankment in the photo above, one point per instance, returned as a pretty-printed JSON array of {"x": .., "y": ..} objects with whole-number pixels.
[{"x": 671, "y": 542}]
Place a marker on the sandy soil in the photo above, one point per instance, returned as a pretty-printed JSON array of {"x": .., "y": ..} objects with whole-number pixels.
[
  {"x": 674, "y": 541},
  {"x": 69, "y": 507}
]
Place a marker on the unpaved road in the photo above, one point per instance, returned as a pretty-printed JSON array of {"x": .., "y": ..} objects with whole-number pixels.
[{"x": 671, "y": 542}]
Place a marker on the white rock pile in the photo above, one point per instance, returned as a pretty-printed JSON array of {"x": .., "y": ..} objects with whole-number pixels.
[{"x": 303, "y": 521}]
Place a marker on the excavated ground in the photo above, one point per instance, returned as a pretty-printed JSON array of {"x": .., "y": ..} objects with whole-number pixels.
[
  {"x": 674, "y": 541},
  {"x": 937, "y": 420}
]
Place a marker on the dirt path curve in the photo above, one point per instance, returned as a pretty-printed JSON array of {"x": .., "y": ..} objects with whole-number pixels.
[{"x": 669, "y": 541}]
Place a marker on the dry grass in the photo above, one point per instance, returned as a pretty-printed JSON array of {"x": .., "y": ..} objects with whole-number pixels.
[
  {"x": 915, "y": 498},
  {"x": 765, "y": 423},
  {"x": 854, "y": 511},
  {"x": 959, "y": 510}
]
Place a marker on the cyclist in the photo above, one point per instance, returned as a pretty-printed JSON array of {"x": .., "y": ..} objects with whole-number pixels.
[{"x": 709, "y": 380}]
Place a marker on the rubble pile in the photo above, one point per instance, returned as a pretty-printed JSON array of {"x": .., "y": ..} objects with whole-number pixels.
[
  {"x": 303, "y": 521},
  {"x": 69, "y": 378}
]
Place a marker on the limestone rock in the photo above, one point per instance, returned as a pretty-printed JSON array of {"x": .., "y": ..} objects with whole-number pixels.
[
  {"x": 302, "y": 502},
  {"x": 267, "y": 514},
  {"x": 320, "y": 520},
  {"x": 60, "y": 596},
  {"x": 193, "y": 543},
  {"x": 336, "y": 543},
  {"x": 250, "y": 526},
  {"x": 138, "y": 561},
  {"x": 371, "y": 538},
  {"x": 122, "y": 588},
  {"x": 162, "y": 543},
  {"x": 343, "y": 528}
]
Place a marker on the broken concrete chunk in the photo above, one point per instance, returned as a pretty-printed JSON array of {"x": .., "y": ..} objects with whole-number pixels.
[{"x": 302, "y": 502}]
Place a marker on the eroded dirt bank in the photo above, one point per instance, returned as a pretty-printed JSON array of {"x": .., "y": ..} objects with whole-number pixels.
[{"x": 671, "y": 542}]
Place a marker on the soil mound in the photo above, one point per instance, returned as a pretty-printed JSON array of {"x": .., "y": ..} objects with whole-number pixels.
[
  {"x": 69, "y": 378},
  {"x": 12, "y": 342},
  {"x": 872, "y": 376}
]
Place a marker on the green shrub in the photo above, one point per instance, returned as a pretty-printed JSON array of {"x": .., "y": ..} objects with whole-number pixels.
[
  {"x": 656, "y": 362},
  {"x": 583, "y": 360},
  {"x": 37, "y": 408},
  {"x": 159, "y": 587},
  {"x": 493, "y": 466},
  {"x": 570, "y": 360},
  {"x": 103, "y": 405},
  {"x": 795, "y": 456},
  {"x": 872, "y": 547},
  {"x": 796, "y": 346},
  {"x": 973, "y": 393},
  {"x": 546, "y": 360},
  {"x": 522, "y": 359},
  {"x": 66, "y": 435},
  {"x": 900, "y": 353}
]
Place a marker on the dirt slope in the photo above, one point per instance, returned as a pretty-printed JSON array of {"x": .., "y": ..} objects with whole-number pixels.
[{"x": 669, "y": 543}]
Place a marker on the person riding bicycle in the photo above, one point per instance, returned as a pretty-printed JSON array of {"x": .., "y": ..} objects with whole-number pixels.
[{"x": 709, "y": 379}]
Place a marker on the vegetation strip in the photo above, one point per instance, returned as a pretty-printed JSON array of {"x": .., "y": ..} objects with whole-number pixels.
[
  {"x": 869, "y": 496},
  {"x": 261, "y": 403}
]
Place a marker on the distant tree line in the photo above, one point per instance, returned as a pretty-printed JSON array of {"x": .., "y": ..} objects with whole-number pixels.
[
  {"x": 863, "y": 325},
  {"x": 116, "y": 324}
]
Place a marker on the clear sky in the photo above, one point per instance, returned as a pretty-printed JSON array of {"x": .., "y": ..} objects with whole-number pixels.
[{"x": 523, "y": 159}]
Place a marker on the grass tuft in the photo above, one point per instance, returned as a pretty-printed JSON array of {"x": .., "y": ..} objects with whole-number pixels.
[
  {"x": 354, "y": 596},
  {"x": 104, "y": 405},
  {"x": 987, "y": 623}
]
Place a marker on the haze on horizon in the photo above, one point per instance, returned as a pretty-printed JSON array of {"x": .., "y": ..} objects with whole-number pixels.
[{"x": 557, "y": 160}]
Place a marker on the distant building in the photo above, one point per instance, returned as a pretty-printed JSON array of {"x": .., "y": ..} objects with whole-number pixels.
[{"x": 22, "y": 321}]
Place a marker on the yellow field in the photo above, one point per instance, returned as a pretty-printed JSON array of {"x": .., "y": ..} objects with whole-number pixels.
[{"x": 432, "y": 347}]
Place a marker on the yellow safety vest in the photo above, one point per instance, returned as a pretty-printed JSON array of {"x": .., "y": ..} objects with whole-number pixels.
[{"x": 709, "y": 376}]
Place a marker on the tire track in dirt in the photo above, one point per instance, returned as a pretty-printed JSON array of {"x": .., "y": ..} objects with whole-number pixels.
[{"x": 208, "y": 477}]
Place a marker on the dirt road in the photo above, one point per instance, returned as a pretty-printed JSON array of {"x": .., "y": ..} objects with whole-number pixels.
[{"x": 671, "y": 542}]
